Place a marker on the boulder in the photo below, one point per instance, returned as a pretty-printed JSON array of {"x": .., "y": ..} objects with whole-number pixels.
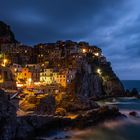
[
  {"x": 134, "y": 92},
  {"x": 133, "y": 113}
]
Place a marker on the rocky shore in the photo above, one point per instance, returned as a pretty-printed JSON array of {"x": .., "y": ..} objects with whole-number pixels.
[{"x": 25, "y": 127}]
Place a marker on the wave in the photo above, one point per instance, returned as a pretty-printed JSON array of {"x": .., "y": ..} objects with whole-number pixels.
[
  {"x": 127, "y": 98},
  {"x": 126, "y": 112},
  {"x": 113, "y": 103},
  {"x": 58, "y": 135}
]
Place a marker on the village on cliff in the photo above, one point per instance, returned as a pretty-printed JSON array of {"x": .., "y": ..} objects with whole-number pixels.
[
  {"x": 61, "y": 80},
  {"x": 51, "y": 64}
]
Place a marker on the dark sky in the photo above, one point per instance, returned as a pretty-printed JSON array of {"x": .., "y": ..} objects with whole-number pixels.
[{"x": 113, "y": 25}]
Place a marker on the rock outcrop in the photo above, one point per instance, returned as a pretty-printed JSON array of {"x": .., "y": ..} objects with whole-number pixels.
[
  {"x": 74, "y": 103},
  {"x": 39, "y": 105},
  {"x": 7, "y": 118},
  {"x": 111, "y": 83},
  {"x": 88, "y": 84},
  {"x": 6, "y": 35},
  {"x": 96, "y": 79}
]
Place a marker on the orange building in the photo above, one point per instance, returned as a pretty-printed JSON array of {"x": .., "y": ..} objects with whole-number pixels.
[{"x": 24, "y": 75}]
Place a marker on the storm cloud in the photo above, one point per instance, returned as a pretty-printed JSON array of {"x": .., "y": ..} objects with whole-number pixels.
[{"x": 113, "y": 25}]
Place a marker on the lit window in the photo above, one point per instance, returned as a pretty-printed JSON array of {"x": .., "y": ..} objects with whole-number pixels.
[
  {"x": 84, "y": 50},
  {"x": 96, "y": 54}
]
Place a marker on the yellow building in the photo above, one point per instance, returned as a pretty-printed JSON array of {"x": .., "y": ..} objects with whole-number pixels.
[
  {"x": 50, "y": 77},
  {"x": 46, "y": 76},
  {"x": 60, "y": 78}
]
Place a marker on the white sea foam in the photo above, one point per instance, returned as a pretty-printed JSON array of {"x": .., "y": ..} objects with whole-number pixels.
[{"x": 124, "y": 103}]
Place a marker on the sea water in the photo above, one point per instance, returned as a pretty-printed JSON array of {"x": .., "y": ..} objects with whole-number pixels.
[
  {"x": 122, "y": 129},
  {"x": 130, "y": 84}
]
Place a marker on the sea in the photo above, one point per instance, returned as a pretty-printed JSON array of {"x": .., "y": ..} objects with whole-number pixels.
[
  {"x": 130, "y": 84},
  {"x": 121, "y": 129}
]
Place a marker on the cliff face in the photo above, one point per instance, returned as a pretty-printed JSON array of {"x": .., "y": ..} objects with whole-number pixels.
[
  {"x": 88, "y": 84},
  {"x": 111, "y": 83},
  {"x": 6, "y": 35},
  {"x": 96, "y": 79}
]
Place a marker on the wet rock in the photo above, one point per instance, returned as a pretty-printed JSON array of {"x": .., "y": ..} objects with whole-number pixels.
[
  {"x": 133, "y": 113},
  {"x": 127, "y": 92},
  {"x": 134, "y": 92},
  {"x": 95, "y": 116}
]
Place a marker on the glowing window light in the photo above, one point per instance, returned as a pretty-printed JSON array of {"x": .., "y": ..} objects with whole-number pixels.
[
  {"x": 96, "y": 54},
  {"x": 84, "y": 50}
]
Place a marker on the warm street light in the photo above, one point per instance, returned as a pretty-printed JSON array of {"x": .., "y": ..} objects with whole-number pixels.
[
  {"x": 30, "y": 80},
  {"x": 4, "y": 62},
  {"x": 99, "y": 71},
  {"x": 84, "y": 50}
]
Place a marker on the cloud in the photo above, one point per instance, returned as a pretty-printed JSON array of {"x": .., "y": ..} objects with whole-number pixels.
[{"x": 113, "y": 25}]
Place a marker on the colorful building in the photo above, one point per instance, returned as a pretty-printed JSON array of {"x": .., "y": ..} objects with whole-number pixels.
[
  {"x": 35, "y": 71},
  {"x": 24, "y": 76},
  {"x": 49, "y": 76}
]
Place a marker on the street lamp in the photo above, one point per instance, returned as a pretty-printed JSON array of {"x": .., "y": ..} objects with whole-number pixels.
[
  {"x": 84, "y": 50},
  {"x": 99, "y": 71},
  {"x": 4, "y": 62},
  {"x": 29, "y": 80}
]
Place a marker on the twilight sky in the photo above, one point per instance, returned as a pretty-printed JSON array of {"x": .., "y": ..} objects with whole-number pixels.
[{"x": 113, "y": 25}]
